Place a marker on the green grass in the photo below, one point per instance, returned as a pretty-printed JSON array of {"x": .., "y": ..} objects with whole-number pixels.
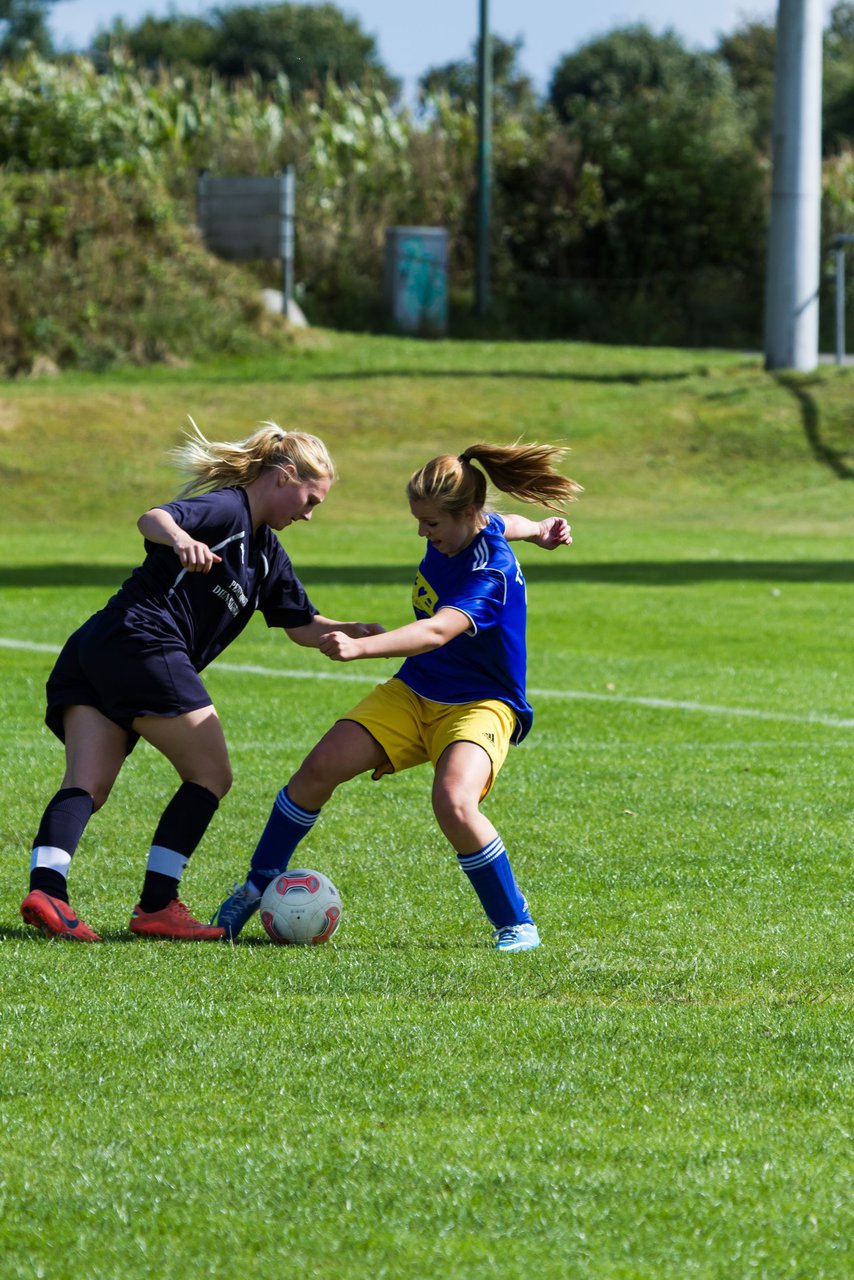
[{"x": 664, "y": 1088}]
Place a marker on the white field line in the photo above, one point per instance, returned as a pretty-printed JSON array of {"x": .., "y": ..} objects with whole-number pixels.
[
  {"x": 31, "y": 646},
  {"x": 570, "y": 695}
]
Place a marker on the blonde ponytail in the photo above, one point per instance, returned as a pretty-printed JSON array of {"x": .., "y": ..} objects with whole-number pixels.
[
  {"x": 526, "y": 472},
  {"x": 211, "y": 465}
]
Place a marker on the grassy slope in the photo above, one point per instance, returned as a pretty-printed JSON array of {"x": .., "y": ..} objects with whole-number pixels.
[{"x": 663, "y": 1089}]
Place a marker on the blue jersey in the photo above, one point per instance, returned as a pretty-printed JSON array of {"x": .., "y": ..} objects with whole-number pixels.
[
  {"x": 204, "y": 612},
  {"x": 484, "y": 581}
]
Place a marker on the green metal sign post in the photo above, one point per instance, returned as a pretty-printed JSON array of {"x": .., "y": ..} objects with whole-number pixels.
[{"x": 484, "y": 158}]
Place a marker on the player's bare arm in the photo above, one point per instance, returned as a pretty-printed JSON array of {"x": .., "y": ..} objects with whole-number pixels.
[
  {"x": 551, "y": 533},
  {"x": 310, "y": 635},
  {"x": 403, "y": 642},
  {"x": 158, "y": 526}
]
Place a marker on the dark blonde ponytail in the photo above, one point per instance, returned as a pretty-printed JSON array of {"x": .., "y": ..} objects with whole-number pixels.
[{"x": 525, "y": 471}]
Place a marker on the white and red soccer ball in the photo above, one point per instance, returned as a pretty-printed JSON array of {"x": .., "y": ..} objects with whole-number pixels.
[{"x": 301, "y": 907}]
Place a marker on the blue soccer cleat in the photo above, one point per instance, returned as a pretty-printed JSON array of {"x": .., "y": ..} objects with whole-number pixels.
[
  {"x": 516, "y": 937},
  {"x": 236, "y": 910}
]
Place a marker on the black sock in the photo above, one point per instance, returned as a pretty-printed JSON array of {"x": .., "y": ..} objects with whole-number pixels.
[
  {"x": 49, "y": 881},
  {"x": 158, "y": 891},
  {"x": 63, "y": 823},
  {"x": 182, "y": 825}
]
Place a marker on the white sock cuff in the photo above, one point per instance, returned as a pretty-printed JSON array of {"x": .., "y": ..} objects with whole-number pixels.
[
  {"x": 166, "y": 861},
  {"x": 302, "y": 817},
  {"x": 489, "y": 853},
  {"x": 45, "y": 855}
]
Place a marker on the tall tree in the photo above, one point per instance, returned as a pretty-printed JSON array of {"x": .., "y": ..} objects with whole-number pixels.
[
  {"x": 839, "y": 78},
  {"x": 662, "y": 126},
  {"x": 175, "y": 41},
  {"x": 23, "y": 26},
  {"x": 306, "y": 43},
  {"x": 748, "y": 51},
  {"x": 512, "y": 88},
  {"x": 617, "y": 66}
]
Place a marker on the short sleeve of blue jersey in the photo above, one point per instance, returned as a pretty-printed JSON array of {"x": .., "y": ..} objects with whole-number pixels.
[
  {"x": 484, "y": 594},
  {"x": 482, "y": 600}
]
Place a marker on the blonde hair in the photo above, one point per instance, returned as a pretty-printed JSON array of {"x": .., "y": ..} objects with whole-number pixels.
[
  {"x": 525, "y": 471},
  {"x": 214, "y": 465}
]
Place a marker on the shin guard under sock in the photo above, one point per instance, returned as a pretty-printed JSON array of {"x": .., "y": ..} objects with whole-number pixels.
[
  {"x": 286, "y": 826},
  {"x": 185, "y": 820},
  {"x": 63, "y": 823},
  {"x": 492, "y": 879}
]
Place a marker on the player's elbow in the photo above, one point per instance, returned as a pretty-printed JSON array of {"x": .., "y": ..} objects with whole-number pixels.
[
  {"x": 429, "y": 643},
  {"x": 147, "y": 522},
  {"x": 437, "y": 633}
]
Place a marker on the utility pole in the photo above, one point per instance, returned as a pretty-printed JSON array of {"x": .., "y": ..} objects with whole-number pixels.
[
  {"x": 484, "y": 158},
  {"x": 794, "y": 240}
]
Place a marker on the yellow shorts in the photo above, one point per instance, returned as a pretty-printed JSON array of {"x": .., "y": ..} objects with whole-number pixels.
[{"x": 412, "y": 730}]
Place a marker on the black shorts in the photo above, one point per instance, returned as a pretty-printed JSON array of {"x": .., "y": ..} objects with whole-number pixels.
[{"x": 124, "y": 671}]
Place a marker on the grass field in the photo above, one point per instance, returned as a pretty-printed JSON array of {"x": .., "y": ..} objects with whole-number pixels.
[{"x": 663, "y": 1089}]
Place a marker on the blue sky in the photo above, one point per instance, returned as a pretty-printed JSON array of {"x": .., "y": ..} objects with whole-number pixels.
[{"x": 413, "y": 35}]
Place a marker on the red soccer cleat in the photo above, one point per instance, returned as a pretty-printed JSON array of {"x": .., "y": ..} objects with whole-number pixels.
[
  {"x": 173, "y": 921},
  {"x": 55, "y": 918}
]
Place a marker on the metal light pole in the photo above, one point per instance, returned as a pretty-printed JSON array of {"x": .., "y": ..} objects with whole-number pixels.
[
  {"x": 794, "y": 241},
  {"x": 484, "y": 158}
]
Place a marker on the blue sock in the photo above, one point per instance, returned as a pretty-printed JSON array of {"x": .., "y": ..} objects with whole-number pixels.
[
  {"x": 286, "y": 826},
  {"x": 492, "y": 879}
]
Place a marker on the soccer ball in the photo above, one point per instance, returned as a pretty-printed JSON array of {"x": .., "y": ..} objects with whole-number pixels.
[{"x": 301, "y": 907}]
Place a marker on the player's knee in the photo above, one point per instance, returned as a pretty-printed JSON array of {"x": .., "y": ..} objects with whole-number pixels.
[
  {"x": 316, "y": 778},
  {"x": 453, "y": 809},
  {"x": 98, "y": 787},
  {"x": 316, "y": 771},
  {"x": 216, "y": 778},
  {"x": 100, "y": 793},
  {"x": 223, "y": 782}
]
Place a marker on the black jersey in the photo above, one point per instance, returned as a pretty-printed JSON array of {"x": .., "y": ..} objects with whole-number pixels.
[{"x": 205, "y": 612}]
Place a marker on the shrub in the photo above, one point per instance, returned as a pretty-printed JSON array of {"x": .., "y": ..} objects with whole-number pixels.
[{"x": 94, "y": 271}]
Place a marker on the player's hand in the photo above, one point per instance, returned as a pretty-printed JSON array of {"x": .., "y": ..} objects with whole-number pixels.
[
  {"x": 554, "y": 532},
  {"x": 196, "y": 557},
  {"x": 339, "y": 647}
]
